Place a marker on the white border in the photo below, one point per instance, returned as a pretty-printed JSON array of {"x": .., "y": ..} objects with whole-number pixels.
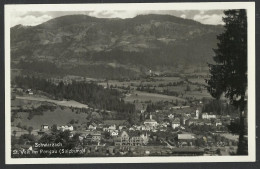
[{"x": 250, "y": 6}]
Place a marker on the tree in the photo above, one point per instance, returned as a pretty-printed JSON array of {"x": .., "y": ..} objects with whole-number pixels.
[
  {"x": 30, "y": 129},
  {"x": 54, "y": 128},
  {"x": 229, "y": 74},
  {"x": 188, "y": 88},
  {"x": 14, "y": 133}
]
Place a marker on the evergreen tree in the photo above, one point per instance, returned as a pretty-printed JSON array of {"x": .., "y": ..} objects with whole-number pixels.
[
  {"x": 229, "y": 74},
  {"x": 30, "y": 129}
]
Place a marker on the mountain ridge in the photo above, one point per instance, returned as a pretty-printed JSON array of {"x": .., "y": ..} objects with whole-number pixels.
[{"x": 148, "y": 41}]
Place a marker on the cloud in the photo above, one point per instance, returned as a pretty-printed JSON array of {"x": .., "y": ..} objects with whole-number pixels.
[
  {"x": 33, "y": 18},
  {"x": 183, "y": 16},
  {"x": 118, "y": 14},
  {"x": 29, "y": 20},
  {"x": 214, "y": 19}
]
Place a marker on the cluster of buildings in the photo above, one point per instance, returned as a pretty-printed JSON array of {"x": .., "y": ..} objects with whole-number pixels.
[
  {"x": 198, "y": 119},
  {"x": 139, "y": 135}
]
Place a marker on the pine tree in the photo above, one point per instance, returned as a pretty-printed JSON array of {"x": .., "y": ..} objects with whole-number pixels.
[{"x": 229, "y": 74}]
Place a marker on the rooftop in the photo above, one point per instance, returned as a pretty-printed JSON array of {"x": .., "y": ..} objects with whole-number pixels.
[
  {"x": 150, "y": 120},
  {"x": 186, "y": 136}
]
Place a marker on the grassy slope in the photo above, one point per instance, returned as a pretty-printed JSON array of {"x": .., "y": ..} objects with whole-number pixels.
[{"x": 58, "y": 116}]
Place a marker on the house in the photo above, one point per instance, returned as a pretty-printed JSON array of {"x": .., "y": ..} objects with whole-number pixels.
[
  {"x": 170, "y": 116},
  {"x": 186, "y": 139},
  {"x": 93, "y": 137},
  {"x": 131, "y": 139},
  {"x": 164, "y": 124},
  {"x": 208, "y": 116},
  {"x": 81, "y": 138},
  {"x": 29, "y": 91},
  {"x": 122, "y": 127},
  {"x": 183, "y": 120},
  {"x": 197, "y": 113},
  {"x": 71, "y": 135},
  {"x": 26, "y": 148},
  {"x": 64, "y": 128},
  {"x": 112, "y": 127},
  {"x": 218, "y": 122},
  {"x": 145, "y": 138},
  {"x": 92, "y": 126},
  {"x": 131, "y": 129},
  {"x": 114, "y": 133},
  {"x": 100, "y": 126},
  {"x": 44, "y": 127},
  {"x": 138, "y": 128},
  {"x": 188, "y": 115},
  {"x": 146, "y": 128},
  {"x": 207, "y": 122},
  {"x": 176, "y": 123},
  {"x": 190, "y": 122},
  {"x": 162, "y": 128},
  {"x": 150, "y": 122}
]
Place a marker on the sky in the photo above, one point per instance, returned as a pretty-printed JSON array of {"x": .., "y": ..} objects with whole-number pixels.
[{"x": 32, "y": 18}]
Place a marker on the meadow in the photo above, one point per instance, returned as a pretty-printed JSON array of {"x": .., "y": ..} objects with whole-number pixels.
[{"x": 58, "y": 116}]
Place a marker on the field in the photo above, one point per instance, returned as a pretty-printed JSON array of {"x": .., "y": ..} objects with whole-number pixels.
[
  {"x": 198, "y": 80},
  {"x": 58, "y": 117},
  {"x": 161, "y": 84},
  {"x": 197, "y": 94},
  {"x": 155, "y": 81},
  {"x": 67, "y": 103},
  {"x": 153, "y": 97},
  {"x": 64, "y": 113}
]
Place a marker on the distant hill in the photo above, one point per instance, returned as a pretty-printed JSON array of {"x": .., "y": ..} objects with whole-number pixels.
[{"x": 134, "y": 44}]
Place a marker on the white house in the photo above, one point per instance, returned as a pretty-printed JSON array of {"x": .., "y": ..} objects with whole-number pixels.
[
  {"x": 112, "y": 127},
  {"x": 170, "y": 116},
  {"x": 146, "y": 128},
  {"x": 176, "y": 123},
  {"x": 138, "y": 128},
  {"x": 45, "y": 127},
  {"x": 144, "y": 138},
  {"x": 208, "y": 116},
  {"x": 150, "y": 122},
  {"x": 197, "y": 114},
  {"x": 131, "y": 129},
  {"x": 29, "y": 91},
  {"x": 114, "y": 133},
  {"x": 92, "y": 126},
  {"x": 218, "y": 123},
  {"x": 64, "y": 128}
]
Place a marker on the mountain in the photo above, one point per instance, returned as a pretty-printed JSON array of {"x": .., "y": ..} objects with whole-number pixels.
[{"x": 80, "y": 44}]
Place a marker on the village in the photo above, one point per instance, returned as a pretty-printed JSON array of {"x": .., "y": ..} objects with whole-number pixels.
[{"x": 190, "y": 134}]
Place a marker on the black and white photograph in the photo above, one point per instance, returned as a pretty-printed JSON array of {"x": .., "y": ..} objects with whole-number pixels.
[{"x": 146, "y": 82}]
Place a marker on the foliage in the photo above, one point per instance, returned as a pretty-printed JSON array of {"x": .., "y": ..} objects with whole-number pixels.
[
  {"x": 87, "y": 93},
  {"x": 27, "y": 138},
  {"x": 218, "y": 107},
  {"x": 30, "y": 129},
  {"x": 229, "y": 74}
]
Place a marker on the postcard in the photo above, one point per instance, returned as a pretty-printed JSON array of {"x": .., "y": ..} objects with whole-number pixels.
[{"x": 130, "y": 83}]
